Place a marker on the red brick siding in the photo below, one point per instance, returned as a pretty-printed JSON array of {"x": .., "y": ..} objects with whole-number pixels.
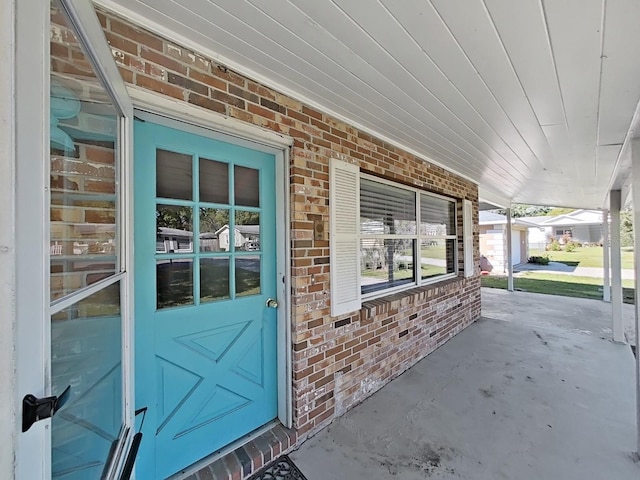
[{"x": 337, "y": 362}]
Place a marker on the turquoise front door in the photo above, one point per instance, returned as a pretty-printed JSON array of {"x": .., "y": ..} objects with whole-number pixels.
[{"x": 205, "y": 268}]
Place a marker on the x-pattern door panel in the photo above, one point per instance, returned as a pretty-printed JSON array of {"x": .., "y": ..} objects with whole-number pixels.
[{"x": 205, "y": 267}]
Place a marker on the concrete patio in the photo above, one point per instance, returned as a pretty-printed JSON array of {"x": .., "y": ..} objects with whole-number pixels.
[{"x": 533, "y": 390}]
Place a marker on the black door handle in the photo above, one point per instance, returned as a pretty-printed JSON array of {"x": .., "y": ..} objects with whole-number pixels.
[{"x": 34, "y": 409}]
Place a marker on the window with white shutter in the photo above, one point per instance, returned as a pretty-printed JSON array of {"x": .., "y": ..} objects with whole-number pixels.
[
  {"x": 344, "y": 203},
  {"x": 387, "y": 237}
]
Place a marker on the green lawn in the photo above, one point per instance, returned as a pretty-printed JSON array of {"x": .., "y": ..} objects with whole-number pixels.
[
  {"x": 584, "y": 257},
  {"x": 553, "y": 284}
]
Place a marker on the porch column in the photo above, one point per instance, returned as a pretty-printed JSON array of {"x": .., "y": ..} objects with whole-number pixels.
[
  {"x": 616, "y": 267},
  {"x": 635, "y": 192},
  {"x": 606, "y": 247},
  {"x": 509, "y": 253}
]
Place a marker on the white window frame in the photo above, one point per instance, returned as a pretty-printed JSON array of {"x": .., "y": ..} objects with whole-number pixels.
[
  {"x": 345, "y": 252},
  {"x": 418, "y": 280}
]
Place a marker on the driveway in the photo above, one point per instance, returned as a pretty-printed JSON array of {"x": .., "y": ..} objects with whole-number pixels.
[{"x": 531, "y": 391}]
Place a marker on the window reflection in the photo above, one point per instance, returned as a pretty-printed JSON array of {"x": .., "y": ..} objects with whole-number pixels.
[
  {"x": 247, "y": 275},
  {"x": 247, "y": 231},
  {"x": 174, "y": 229},
  {"x": 84, "y": 172},
  {"x": 214, "y": 230},
  {"x": 86, "y": 353},
  {"x": 214, "y": 279},
  {"x": 174, "y": 278},
  {"x": 386, "y": 263}
]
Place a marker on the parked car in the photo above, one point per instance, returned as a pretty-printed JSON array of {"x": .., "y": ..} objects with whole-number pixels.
[{"x": 251, "y": 246}]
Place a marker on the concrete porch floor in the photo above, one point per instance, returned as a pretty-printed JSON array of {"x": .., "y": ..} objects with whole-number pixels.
[{"x": 533, "y": 390}]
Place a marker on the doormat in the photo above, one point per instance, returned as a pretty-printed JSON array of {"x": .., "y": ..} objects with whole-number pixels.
[{"x": 281, "y": 469}]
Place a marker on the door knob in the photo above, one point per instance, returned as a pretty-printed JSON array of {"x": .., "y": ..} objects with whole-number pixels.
[{"x": 272, "y": 303}]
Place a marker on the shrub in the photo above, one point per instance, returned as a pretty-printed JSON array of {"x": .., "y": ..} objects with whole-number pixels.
[
  {"x": 570, "y": 246},
  {"x": 539, "y": 259},
  {"x": 554, "y": 246}
]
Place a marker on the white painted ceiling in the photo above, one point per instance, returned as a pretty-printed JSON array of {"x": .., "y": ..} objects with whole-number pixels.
[{"x": 532, "y": 99}]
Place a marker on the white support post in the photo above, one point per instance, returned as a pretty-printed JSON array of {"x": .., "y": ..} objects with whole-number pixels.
[
  {"x": 606, "y": 247},
  {"x": 635, "y": 192},
  {"x": 509, "y": 253},
  {"x": 616, "y": 267}
]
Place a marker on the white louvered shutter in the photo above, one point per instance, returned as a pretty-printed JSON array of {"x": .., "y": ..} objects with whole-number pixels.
[
  {"x": 344, "y": 208},
  {"x": 467, "y": 226}
]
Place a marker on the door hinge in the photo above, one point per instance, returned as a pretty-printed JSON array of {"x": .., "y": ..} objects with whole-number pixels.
[{"x": 35, "y": 409}]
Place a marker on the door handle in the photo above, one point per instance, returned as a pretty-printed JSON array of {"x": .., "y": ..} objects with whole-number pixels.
[
  {"x": 272, "y": 303},
  {"x": 35, "y": 409}
]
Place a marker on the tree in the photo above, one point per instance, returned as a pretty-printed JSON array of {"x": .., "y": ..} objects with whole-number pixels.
[
  {"x": 626, "y": 228},
  {"x": 554, "y": 212},
  {"x": 523, "y": 210}
]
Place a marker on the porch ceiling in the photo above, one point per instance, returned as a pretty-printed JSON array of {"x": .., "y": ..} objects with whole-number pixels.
[{"x": 533, "y": 99}]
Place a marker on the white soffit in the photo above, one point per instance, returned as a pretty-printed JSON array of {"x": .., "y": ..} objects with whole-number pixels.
[{"x": 530, "y": 98}]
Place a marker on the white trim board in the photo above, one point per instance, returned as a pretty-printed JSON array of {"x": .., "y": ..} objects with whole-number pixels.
[{"x": 32, "y": 344}]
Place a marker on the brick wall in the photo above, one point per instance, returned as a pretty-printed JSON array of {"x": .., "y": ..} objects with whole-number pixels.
[{"x": 337, "y": 362}]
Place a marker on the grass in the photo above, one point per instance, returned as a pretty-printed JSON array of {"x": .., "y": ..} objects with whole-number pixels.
[
  {"x": 563, "y": 285},
  {"x": 584, "y": 257}
]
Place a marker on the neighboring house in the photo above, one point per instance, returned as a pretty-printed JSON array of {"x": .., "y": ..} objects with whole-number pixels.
[
  {"x": 493, "y": 240},
  {"x": 173, "y": 240},
  {"x": 583, "y": 226},
  {"x": 244, "y": 235}
]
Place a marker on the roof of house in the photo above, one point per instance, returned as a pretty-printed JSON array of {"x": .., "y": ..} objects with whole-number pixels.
[
  {"x": 577, "y": 217},
  {"x": 243, "y": 229},
  {"x": 492, "y": 218}
]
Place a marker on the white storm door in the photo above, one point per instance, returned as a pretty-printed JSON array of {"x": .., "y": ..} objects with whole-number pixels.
[{"x": 73, "y": 123}]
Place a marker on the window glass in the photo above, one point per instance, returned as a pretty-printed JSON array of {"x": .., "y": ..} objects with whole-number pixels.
[
  {"x": 393, "y": 251},
  {"x": 214, "y": 279},
  {"x": 214, "y": 229},
  {"x": 174, "y": 282},
  {"x": 174, "y": 229},
  {"x": 436, "y": 257},
  {"x": 247, "y": 275},
  {"x": 86, "y": 354},
  {"x": 174, "y": 173},
  {"x": 84, "y": 167},
  {"x": 437, "y": 216},
  {"x": 86, "y": 348},
  {"x": 214, "y": 181},
  {"x": 247, "y": 231},
  {"x": 246, "y": 186},
  {"x": 209, "y": 248},
  {"x": 385, "y": 209},
  {"x": 386, "y": 263}
]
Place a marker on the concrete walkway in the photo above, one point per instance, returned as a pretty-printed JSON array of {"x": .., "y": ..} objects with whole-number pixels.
[
  {"x": 564, "y": 269},
  {"x": 524, "y": 393}
]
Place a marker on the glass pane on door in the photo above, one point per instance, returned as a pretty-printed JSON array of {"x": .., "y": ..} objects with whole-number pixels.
[
  {"x": 84, "y": 169},
  {"x": 86, "y": 329},
  {"x": 86, "y": 353}
]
